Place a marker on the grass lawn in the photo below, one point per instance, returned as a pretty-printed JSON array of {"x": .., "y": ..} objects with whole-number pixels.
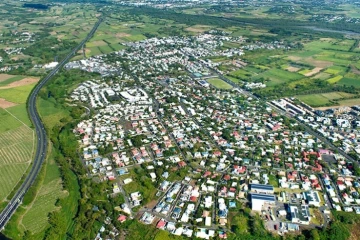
[
  {"x": 235, "y": 80},
  {"x": 218, "y": 83}
]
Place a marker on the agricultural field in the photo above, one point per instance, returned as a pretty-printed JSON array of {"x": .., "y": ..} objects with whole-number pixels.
[
  {"x": 51, "y": 33},
  {"x": 16, "y": 151},
  {"x": 218, "y": 83},
  {"x": 278, "y": 76},
  {"x": 45, "y": 200},
  {"x": 17, "y": 141},
  {"x": 317, "y": 100}
]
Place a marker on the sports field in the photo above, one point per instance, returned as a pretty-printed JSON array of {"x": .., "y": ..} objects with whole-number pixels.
[{"x": 218, "y": 83}]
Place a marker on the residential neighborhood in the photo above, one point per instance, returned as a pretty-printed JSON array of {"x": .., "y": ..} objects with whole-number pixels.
[{"x": 204, "y": 152}]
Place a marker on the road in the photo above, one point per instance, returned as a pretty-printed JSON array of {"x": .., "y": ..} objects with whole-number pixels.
[{"x": 42, "y": 141}]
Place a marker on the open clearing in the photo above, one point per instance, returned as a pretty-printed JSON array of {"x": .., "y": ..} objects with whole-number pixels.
[
  {"x": 292, "y": 69},
  {"x": 218, "y": 83},
  {"x": 6, "y": 104},
  {"x": 22, "y": 82},
  {"x": 4, "y": 77},
  {"x": 317, "y": 63},
  {"x": 96, "y": 43},
  {"x": 198, "y": 28},
  {"x": 313, "y": 72}
]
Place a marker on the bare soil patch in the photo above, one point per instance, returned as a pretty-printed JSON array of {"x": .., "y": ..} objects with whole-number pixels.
[
  {"x": 198, "y": 28},
  {"x": 151, "y": 204},
  {"x": 4, "y": 77},
  {"x": 6, "y": 104},
  {"x": 355, "y": 232},
  {"x": 313, "y": 72},
  {"x": 120, "y": 35},
  {"x": 355, "y": 70},
  {"x": 294, "y": 58},
  {"x": 22, "y": 82},
  {"x": 318, "y": 63},
  {"x": 292, "y": 69}
]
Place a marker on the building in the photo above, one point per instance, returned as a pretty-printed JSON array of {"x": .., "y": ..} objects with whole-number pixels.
[
  {"x": 312, "y": 198},
  {"x": 300, "y": 214},
  {"x": 262, "y": 188},
  {"x": 258, "y": 201}
]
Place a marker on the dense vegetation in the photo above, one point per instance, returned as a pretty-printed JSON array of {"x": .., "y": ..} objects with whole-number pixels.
[
  {"x": 289, "y": 24},
  {"x": 48, "y": 48},
  {"x": 36, "y": 5}
]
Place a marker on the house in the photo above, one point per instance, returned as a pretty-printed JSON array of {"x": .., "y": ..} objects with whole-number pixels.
[
  {"x": 121, "y": 218},
  {"x": 161, "y": 224}
]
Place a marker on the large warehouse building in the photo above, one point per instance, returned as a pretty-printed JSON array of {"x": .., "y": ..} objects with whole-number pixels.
[{"x": 258, "y": 201}]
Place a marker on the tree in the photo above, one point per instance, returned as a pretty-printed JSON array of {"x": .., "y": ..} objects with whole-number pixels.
[{"x": 314, "y": 234}]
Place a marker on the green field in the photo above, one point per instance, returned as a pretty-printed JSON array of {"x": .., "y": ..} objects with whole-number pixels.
[
  {"x": 16, "y": 151},
  {"x": 16, "y": 137},
  {"x": 49, "y": 113},
  {"x": 16, "y": 94},
  {"x": 218, "y": 83},
  {"x": 45, "y": 200},
  {"x": 317, "y": 100},
  {"x": 334, "y": 79},
  {"x": 278, "y": 76},
  {"x": 349, "y": 82},
  {"x": 322, "y": 76},
  {"x": 11, "y": 80}
]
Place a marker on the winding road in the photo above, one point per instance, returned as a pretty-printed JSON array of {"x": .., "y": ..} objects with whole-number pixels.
[{"x": 42, "y": 141}]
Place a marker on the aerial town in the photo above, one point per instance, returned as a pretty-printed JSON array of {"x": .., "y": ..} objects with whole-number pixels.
[{"x": 208, "y": 151}]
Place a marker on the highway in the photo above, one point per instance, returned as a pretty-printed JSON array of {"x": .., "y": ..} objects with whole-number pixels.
[{"x": 42, "y": 141}]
